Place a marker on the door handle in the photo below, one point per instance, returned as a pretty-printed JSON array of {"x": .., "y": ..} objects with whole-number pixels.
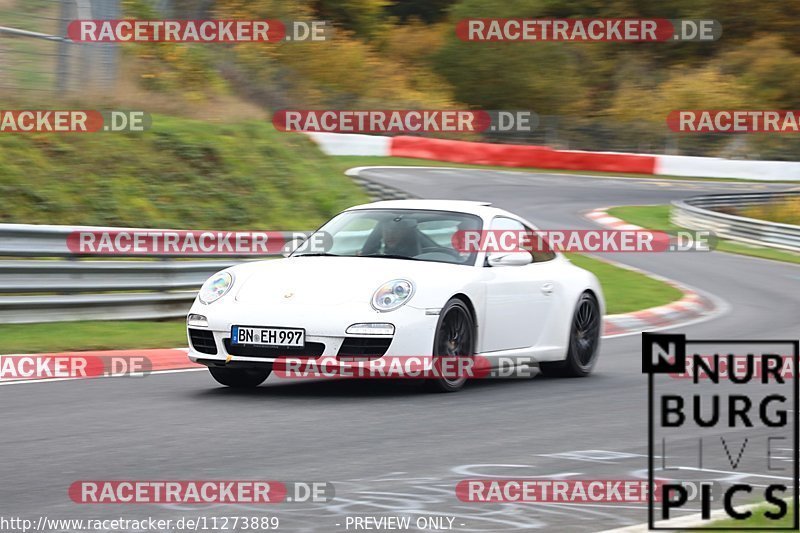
[{"x": 547, "y": 288}]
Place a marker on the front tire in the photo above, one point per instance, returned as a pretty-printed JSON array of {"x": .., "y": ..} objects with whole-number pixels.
[
  {"x": 455, "y": 337},
  {"x": 584, "y": 341},
  {"x": 240, "y": 378}
]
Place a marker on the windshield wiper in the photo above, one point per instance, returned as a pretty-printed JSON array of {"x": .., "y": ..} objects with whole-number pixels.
[
  {"x": 317, "y": 254},
  {"x": 392, "y": 256}
]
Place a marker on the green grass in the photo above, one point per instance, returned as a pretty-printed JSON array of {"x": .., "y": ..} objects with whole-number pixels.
[
  {"x": 757, "y": 520},
  {"x": 627, "y": 290},
  {"x": 657, "y": 217},
  {"x": 624, "y": 290},
  {"x": 350, "y": 161},
  {"x": 91, "y": 335},
  {"x": 181, "y": 174}
]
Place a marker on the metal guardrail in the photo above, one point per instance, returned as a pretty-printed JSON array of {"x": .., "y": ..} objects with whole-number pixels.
[
  {"x": 63, "y": 308},
  {"x": 54, "y": 283},
  {"x": 43, "y": 280},
  {"x": 65, "y": 290},
  {"x": 68, "y": 277},
  {"x": 48, "y": 282},
  {"x": 40, "y": 240},
  {"x": 703, "y": 213}
]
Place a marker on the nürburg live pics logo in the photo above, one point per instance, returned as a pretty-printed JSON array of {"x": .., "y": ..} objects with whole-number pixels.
[{"x": 723, "y": 421}]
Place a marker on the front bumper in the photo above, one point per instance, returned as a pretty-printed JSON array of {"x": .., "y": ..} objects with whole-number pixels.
[{"x": 414, "y": 330}]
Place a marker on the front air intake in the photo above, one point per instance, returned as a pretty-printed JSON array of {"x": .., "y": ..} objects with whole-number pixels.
[{"x": 203, "y": 341}]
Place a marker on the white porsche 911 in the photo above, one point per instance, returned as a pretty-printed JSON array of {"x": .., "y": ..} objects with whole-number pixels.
[{"x": 390, "y": 282}]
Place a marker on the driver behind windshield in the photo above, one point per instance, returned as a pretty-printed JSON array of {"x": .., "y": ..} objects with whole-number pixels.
[{"x": 399, "y": 237}]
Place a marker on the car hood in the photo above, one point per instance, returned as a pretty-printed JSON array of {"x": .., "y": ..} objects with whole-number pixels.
[{"x": 337, "y": 280}]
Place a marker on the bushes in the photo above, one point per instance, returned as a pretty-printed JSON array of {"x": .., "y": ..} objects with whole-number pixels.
[{"x": 786, "y": 211}]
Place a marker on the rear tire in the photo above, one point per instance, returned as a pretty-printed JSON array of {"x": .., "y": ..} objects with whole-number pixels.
[
  {"x": 455, "y": 337},
  {"x": 584, "y": 341},
  {"x": 240, "y": 378}
]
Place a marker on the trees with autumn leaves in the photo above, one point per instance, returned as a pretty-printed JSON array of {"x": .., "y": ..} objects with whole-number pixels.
[{"x": 405, "y": 54}]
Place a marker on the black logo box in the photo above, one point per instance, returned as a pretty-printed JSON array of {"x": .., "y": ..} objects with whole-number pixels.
[{"x": 678, "y": 365}]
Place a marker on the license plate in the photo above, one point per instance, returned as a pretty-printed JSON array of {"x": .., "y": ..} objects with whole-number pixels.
[{"x": 256, "y": 336}]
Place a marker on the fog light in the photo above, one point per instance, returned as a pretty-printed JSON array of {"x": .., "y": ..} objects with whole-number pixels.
[
  {"x": 196, "y": 320},
  {"x": 371, "y": 328}
]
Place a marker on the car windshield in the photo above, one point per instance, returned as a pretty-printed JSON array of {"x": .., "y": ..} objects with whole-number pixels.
[{"x": 412, "y": 234}]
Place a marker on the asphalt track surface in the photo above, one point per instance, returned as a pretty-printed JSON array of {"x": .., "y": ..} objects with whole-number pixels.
[{"x": 388, "y": 448}]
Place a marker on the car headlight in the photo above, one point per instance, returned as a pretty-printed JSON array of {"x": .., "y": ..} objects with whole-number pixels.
[
  {"x": 392, "y": 295},
  {"x": 216, "y": 287}
]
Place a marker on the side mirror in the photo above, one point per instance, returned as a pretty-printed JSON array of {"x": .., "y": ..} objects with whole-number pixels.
[{"x": 518, "y": 258}]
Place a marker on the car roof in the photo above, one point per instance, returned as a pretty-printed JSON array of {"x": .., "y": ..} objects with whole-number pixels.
[{"x": 482, "y": 209}]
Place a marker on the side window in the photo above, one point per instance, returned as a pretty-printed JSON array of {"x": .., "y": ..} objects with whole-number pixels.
[
  {"x": 540, "y": 256},
  {"x": 506, "y": 224},
  {"x": 503, "y": 223}
]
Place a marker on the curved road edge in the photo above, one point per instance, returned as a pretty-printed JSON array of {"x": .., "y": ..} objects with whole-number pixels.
[{"x": 695, "y": 306}]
